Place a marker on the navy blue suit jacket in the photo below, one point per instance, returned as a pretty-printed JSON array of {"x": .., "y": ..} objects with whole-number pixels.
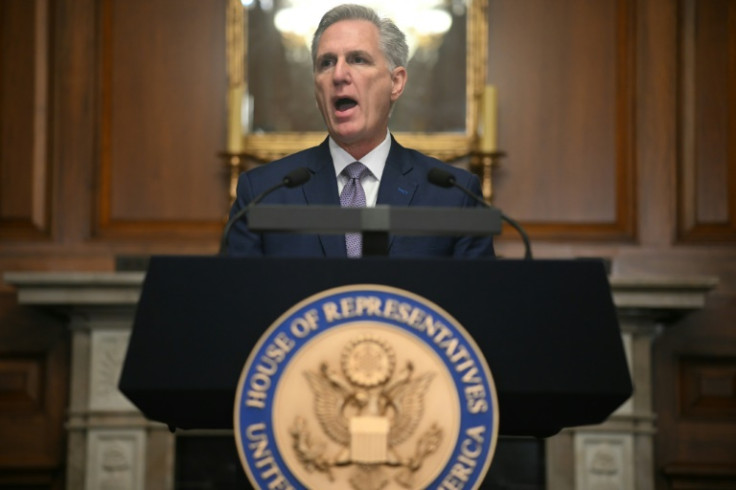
[{"x": 403, "y": 183}]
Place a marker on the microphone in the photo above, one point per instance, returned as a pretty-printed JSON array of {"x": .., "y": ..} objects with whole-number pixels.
[
  {"x": 443, "y": 178},
  {"x": 295, "y": 178}
]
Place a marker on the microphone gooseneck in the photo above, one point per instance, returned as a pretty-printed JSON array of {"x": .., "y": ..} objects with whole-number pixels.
[
  {"x": 443, "y": 178},
  {"x": 295, "y": 178}
]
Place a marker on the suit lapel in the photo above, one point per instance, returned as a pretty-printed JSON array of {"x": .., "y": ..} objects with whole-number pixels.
[
  {"x": 398, "y": 183},
  {"x": 321, "y": 190}
]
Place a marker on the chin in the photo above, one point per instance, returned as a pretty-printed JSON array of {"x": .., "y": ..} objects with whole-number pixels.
[{"x": 347, "y": 137}]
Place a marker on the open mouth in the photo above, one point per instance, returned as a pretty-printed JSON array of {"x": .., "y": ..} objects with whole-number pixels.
[{"x": 345, "y": 103}]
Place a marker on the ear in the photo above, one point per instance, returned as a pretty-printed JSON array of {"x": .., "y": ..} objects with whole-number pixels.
[{"x": 398, "y": 82}]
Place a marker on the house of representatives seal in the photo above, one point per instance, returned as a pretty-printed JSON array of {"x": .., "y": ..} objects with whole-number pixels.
[{"x": 366, "y": 387}]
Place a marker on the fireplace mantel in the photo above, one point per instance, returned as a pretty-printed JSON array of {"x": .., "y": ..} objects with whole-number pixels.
[{"x": 110, "y": 442}]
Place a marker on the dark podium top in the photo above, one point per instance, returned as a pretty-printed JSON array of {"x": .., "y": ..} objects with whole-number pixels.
[{"x": 548, "y": 329}]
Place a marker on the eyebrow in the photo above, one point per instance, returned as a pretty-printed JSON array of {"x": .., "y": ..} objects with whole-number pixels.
[
  {"x": 349, "y": 54},
  {"x": 360, "y": 52}
]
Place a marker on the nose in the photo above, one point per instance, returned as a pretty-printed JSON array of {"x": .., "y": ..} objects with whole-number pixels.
[{"x": 341, "y": 73}]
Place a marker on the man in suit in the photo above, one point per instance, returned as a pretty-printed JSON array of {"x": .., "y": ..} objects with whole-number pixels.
[{"x": 359, "y": 66}]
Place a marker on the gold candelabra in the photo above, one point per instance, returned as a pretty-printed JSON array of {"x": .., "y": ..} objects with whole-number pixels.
[
  {"x": 236, "y": 163},
  {"x": 482, "y": 164}
]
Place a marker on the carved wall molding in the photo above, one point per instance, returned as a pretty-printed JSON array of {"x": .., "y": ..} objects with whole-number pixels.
[{"x": 117, "y": 459}]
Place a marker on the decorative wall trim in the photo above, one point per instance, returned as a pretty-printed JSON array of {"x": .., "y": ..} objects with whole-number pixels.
[
  {"x": 108, "y": 354},
  {"x": 605, "y": 462},
  {"x": 116, "y": 459}
]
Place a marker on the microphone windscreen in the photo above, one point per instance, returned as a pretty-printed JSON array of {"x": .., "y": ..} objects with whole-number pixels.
[
  {"x": 297, "y": 177},
  {"x": 440, "y": 177}
]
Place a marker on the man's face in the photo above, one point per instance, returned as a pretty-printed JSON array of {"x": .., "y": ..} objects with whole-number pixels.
[{"x": 353, "y": 85}]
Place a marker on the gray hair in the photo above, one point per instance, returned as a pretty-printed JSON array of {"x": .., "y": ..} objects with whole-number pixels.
[{"x": 391, "y": 40}]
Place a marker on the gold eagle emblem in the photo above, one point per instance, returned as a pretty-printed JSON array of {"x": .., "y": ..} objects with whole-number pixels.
[{"x": 368, "y": 411}]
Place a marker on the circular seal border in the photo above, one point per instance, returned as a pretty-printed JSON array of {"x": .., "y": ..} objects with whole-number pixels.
[{"x": 300, "y": 322}]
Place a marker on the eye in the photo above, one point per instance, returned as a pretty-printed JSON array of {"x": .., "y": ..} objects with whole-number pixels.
[
  {"x": 360, "y": 59},
  {"x": 325, "y": 63}
]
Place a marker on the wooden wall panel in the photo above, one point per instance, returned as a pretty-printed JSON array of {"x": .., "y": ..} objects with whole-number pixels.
[
  {"x": 695, "y": 399},
  {"x": 34, "y": 352},
  {"x": 708, "y": 106},
  {"x": 708, "y": 388},
  {"x": 24, "y": 166},
  {"x": 564, "y": 72},
  {"x": 74, "y": 125},
  {"x": 163, "y": 106}
]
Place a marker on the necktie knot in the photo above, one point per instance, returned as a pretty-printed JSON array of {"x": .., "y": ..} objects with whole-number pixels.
[
  {"x": 356, "y": 170},
  {"x": 352, "y": 195}
]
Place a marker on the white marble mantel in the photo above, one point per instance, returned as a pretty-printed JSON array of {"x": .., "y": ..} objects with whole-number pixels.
[{"x": 111, "y": 445}]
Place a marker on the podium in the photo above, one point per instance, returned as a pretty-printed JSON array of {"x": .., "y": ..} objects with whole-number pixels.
[{"x": 548, "y": 329}]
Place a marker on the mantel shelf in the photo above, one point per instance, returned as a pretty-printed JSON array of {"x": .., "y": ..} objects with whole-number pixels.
[{"x": 657, "y": 294}]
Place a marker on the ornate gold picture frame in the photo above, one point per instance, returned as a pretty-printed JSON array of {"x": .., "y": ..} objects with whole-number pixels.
[{"x": 268, "y": 143}]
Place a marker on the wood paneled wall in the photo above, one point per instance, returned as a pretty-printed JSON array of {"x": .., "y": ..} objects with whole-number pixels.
[
  {"x": 695, "y": 363},
  {"x": 707, "y": 115},
  {"x": 112, "y": 119},
  {"x": 24, "y": 105},
  {"x": 34, "y": 390},
  {"x": 618, "y": 117},
  {"x": 162, "y": 79},
  {"x": 566, "y": 74}
]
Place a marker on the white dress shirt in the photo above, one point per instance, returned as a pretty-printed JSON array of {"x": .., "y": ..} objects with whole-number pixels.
[{"x": 375, "y": 161}]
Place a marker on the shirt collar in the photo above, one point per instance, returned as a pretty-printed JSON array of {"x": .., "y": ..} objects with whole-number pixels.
[{"x": 375, "y": 160}]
